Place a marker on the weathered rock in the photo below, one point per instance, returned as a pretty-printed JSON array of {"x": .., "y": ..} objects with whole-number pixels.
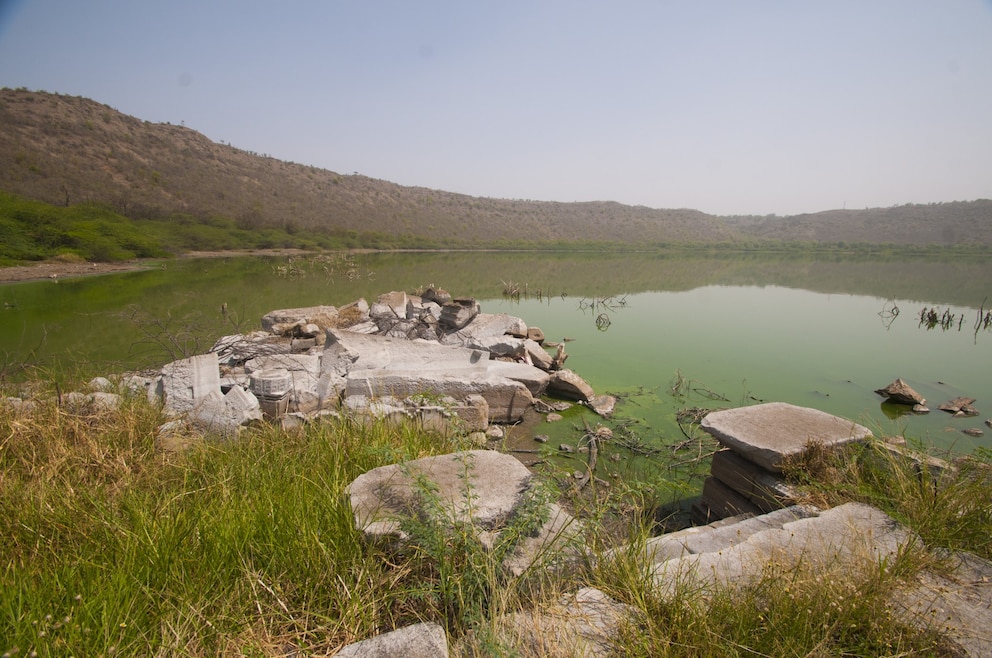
[
  {"x": 481, "y": 487},
  {"x": 101, "y": 401},
  {"x": 426, "y": 640},
  {"x": 323, "y": 316},
  {"x": 102, "y": 384},
  {"x": 567, "y": 384},
  {"x": 973, "y": 431},
  {"x": 396, "y": 301},
  {"x": 847, "y": 537},
  {"x": 300, "y": 372},
  {"x": 355, "y": 313},
  {"x": 437, "y": 295},
  {"x": 537, "y": 355},
  {"x": 19, "y": 406},
  {"x": 771, "y": 434},
  {"x": 187, "y": 382},
  {"x": 504, "y": 345},
  {"x": 535, "y": 379},
  {"x": 459, "y": 313},
  {"x": 535, "y": 334},
  {"x": 956, "y": 603},
  {"x": 472, "y": 413},
  {"x": 960, "y": 407},
  {"x": 507, "y": 399},
  {"x": 585, "y": 624},
  {"x": 604, "y": 405},
  {"x": 767, "y": 491},
  {"x": 345, "y": 351},
  {"x": 483, "y": 325},
  {"x": 224, "y": 415},
  {"x": 236, "y": 349},
  {"x": 899, "y": 392}
]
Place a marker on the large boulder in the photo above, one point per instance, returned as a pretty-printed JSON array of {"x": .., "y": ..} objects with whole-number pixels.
[
  {"x": 568, "y": 385},
  {"x": 485, "y": 491}
]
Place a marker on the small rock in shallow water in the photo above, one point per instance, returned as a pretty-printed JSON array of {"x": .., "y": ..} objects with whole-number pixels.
[
  {"x": 974, "y": 431},
  {"x": 541, "y": 438}
]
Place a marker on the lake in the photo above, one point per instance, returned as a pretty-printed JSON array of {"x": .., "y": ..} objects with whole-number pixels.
[{"x": 721, "y": 330}]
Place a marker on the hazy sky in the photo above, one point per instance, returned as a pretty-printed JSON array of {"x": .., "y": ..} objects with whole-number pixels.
[{"x": 727, "y": 106}]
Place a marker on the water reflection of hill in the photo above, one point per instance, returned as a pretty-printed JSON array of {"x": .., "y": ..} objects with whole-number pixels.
[{"x": 961, "y": 281}]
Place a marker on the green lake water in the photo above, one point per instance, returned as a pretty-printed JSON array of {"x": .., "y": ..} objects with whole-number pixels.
[{"x": 816, "y": 332}]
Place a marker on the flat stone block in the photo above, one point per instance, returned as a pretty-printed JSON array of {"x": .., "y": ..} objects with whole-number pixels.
[{"x": 770, "y": 434}]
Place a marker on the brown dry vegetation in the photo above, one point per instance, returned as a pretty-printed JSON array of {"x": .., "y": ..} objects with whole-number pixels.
[{"x": 66, "y": 150}]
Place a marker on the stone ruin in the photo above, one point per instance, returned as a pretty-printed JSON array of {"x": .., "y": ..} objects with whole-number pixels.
[{"x": 439, "y": 361}]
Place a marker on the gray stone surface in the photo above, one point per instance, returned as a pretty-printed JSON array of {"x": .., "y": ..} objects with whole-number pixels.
[
  {"x": 899, "y": 392},
  {"x": 769, "y": 434},
  {"x": 957, "y": 604},
  {"x": 187, "y": 382},
  {"x": 304, "y": 371},
  {"x": 418, "y": 641},
  {"x": 768, "y": 491},
  {"x": 718, "y": 536},
  {"x": 538, "y": 356},
  {"x": 507, "y": 399},
  {"x": 382, "y": 497},
  {"x": 364, "y": 352},
  {"x": 535, "y": 379},
  {"x": 483, "y": 325},
  {"x": 843, "y": 537},
  {"x": 322, "y": 316},
  {"x": 584, "y": 625},
  {"x": 567, "y": 384},
  {"x": 224, "y": 415}
]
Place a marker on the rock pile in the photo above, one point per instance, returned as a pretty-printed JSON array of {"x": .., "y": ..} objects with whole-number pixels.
[
  {"x": 746, "y": 476},
  {"x": 431, "y": 358}
]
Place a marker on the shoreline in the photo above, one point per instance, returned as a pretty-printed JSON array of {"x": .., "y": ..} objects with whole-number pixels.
[{"x": 55, "y": 270}]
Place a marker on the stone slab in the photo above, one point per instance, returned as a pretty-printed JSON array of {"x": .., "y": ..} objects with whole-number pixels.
[
  {"x": 957, "y": 604},
  {"x": 772, "y": 433},
  {"x": 188, "y": 382},
  {"x": 478, "y": 486},
  {"x": 507, "y": 399},
  {"x": 322, "y": 316},
  {"x": 719, "y": 535},
  {"x": 768, "y": 491},
  {"x": 427, "y": 640},
  {"x": 843, "y": 537}
]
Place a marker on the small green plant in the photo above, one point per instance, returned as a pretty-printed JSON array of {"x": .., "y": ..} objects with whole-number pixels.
[{"x": 461, "y": 568}]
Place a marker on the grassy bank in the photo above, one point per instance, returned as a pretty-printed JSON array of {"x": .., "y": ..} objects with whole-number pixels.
[{"x": 111, "y": 546}]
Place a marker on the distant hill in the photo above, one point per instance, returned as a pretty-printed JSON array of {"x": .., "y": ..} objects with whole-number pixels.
[
  {"x": 953, "y": 223},
  {"x": 66, "y": 150}
]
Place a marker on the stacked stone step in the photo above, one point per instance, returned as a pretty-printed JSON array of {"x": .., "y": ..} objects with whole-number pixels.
[{"x": 758, "y": 441}]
